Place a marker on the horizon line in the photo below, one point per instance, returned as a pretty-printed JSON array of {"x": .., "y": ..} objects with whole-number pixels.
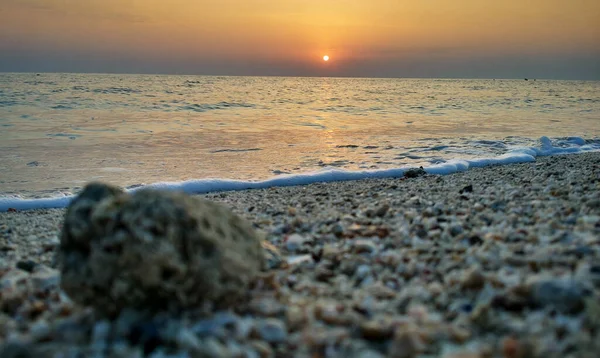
[{"x": 297, "y": 76}]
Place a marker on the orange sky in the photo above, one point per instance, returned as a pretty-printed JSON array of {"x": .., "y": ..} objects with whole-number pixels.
[{"x": 291, "y": 36}]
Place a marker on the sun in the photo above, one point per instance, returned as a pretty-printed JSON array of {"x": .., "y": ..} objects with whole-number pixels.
[{"x": 325, "y": 58}]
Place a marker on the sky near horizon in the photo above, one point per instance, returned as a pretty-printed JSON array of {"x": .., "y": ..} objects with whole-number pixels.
[{"x": 364, "y": 38}]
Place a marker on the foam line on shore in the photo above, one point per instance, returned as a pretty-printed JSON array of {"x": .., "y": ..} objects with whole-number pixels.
[{"x": 201, "y": 186}]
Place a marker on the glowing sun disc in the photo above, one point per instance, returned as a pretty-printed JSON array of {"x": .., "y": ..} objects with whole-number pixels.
[{"x": 325, "y": 58}]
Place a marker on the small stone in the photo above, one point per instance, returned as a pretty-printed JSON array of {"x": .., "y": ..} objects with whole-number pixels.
[
  {"x": 294, "y": 242},
  {"x": 365, "y": 306},
  {"x": 13, "y": 290},
  {"x": 376, "y": 330},
  {"x": 417, "y": 311},
  {"x": 332, "y": 313},
  {"x": 45, "y": 279},
  {"x": 566, "y": 295},
  {"x": 466, "y": 189},
  {"x": 8, "y": 247},
  {"x": 338, "y": 230},
  {"x": 33, "y": 308},
  {"x": 382, "y": 210},
  {"x": 435, "y": 288},
  {"x": 478, "y": 207},
  {"x": 263, "y": 349},
  {"x": 321, "y": 337},
  {"x": 40, "y": 331},
  {"x": 364, "y": 246},
  {"x": 211, "y": 347},
  {"x": 362, "y": 271},
  {"x": 475, "y": 240},
  {"x": 243, "y": 328},
  {"x": 51, "y": 244},
  {"x": 510, "y": 302},
  {"x": 323, "y": 274},
  {"x": 266, "y": 307},
  {"x": 101, "y": 332},
  {"x": 458, "y": 334},
  {"x": 511, "y": 347},
  {"x": 368, "y": 354},
  {"x": 379, "y": 290},
  {"x": 273, "y": 258},
  {"x": 299, "y": 260},
  {"x": 187, "y": 340},
  {"x": 7, "y": 325},
  {"x": 456, "y": 230},
  {"x": 295, "y": 317},
  {"x": 407, "y": 343},
  {"x": 272, "y": 330},
  {"x": 330, "y": 252},
  {"x": 474, "y": 279},
  {"x": 26, "y": 265},
  {"x": 415, "y": 172}
]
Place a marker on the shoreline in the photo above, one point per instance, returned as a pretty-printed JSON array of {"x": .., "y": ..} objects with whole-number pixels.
[
  {"x": 493, "y": 261},
  {"x": 59, "y": 198}
]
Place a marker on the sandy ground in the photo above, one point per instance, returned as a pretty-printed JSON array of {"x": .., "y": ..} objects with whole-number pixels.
[{"x": 499, "y": 261}]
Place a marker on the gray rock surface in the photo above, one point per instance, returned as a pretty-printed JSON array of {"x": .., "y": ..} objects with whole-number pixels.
[{"x": 155, "y": 249}]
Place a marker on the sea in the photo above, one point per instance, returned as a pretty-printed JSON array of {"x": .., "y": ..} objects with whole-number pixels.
[{"x": 206, "y": 133}]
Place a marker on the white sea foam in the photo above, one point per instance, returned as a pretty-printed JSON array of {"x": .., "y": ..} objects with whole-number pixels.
[{"x": 514, "y": 155}]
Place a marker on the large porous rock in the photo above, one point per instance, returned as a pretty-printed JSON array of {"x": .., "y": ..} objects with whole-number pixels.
[{"x": 155, "y": 250}]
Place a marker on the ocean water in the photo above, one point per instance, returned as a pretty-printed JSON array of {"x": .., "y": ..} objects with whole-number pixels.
[{"x": 59, "y": 131}]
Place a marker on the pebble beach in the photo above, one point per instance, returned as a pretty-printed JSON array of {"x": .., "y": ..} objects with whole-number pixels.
[{"x": 500, "y": 261}]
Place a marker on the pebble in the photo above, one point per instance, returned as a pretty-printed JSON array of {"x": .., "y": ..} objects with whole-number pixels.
[
  {"x": 26, "y": 265},
  {"x": 187, "y": 340},
  {"x": 296, "y": 317},
  {"x": 40, "y": 331},
  {"x": 266, "y": 307},
  {"x": 407, "y": 343},
  {"x": 272, "y": 330},
  {"x": 50, "y": 244},
  {"x": 215, "y": 325},
  {"x": 299, "y": 260},
  {"x": 414, "y": 172},
  {"x": 368, "y": 354},
  {"x": 376, "y": 330},
  {"x": 362, "y": 271},
  {"x": 382, "y": 210},
  {"x": 211, "y": 347},
  {"x": 364, "y": 246},
  {"x": 331, "y": 252},
  {"x": 101, "y": 332},
  {"x": 456, "y": 230},
  {"x": 262, "y": 349},
  {"x": 338, "y": 230},
  {"x": 45, "y": 279},
  {"x": 474, "y": 279},
  {"x": 566, "y": 295},
  {"x": 294, "y": 242}
]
